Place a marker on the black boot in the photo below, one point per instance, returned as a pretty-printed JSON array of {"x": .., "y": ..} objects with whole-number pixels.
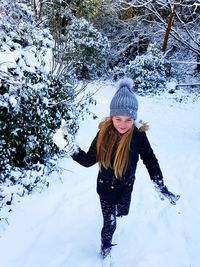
[{"x": 106, "y": 247}]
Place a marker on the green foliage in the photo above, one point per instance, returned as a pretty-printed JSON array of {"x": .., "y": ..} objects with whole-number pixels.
[
  {"x": 88, "y": 9},
  {"x": 127, "y": 12},
  {"x": 81, "y": 9}
]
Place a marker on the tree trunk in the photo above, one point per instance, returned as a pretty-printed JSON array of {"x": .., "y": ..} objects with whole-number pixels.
[
  {"x": 198, "y": 63},
  {"x": 35, "y": 7},
  {"x": 170, "y": 22}
]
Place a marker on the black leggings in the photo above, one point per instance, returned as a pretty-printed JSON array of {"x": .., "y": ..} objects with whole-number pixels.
[
  {"x": 110, "y": 211},
  {"x": 109, "y": 220}
]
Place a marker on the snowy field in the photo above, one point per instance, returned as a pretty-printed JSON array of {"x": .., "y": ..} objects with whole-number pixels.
[{"x": 61, "y": 227}]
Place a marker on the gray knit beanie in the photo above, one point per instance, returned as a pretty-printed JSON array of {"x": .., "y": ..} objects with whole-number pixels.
[{"x": 124, "y": 101}]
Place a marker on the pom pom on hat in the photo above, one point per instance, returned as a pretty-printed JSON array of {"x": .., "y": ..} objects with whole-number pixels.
[
  {"x": 125, "y": 82},
  {"x": 124, "y": 101}
]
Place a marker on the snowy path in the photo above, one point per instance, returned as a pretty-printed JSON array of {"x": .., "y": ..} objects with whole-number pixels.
[{"x": 61, "y": 227}]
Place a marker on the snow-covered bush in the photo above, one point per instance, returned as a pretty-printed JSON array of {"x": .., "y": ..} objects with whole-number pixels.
[
  {"x": 87, "y": 48},
  {"x": 32, "y": 105},
  {"x": 30, "y": 115},
  {"x": 117, "y": 73},
  {"x": 149, "y": 73}
]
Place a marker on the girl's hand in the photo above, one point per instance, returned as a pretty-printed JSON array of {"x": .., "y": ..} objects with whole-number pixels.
[
  {"x": 65, "y": 141},
  {"x": 163, "y": 193},
  {"x": 71, "y": 147}
]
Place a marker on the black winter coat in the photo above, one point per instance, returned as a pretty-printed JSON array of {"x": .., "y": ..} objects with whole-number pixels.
[{"x": 108, "y": 186}]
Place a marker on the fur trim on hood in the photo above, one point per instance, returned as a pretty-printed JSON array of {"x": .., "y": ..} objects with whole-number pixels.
[{"x": 141, "y": 125}]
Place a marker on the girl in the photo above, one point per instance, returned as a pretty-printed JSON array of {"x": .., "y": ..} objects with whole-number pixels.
[{"x": 117, "y": 148}]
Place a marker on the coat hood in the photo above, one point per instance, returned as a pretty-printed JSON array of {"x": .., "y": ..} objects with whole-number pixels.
[{"x": 141, "y": 126}]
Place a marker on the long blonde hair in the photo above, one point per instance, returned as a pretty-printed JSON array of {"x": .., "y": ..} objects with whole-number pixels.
[{"x": 110, "y": 145}]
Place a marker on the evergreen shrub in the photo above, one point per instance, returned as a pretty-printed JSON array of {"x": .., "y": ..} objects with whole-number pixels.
[
  {"x": 88, "y": 49},
  {"x": 149, "y": 73},
  {"x": 33, "y": 102}
]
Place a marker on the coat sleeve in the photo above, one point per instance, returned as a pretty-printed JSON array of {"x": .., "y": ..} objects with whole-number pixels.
[
  {"x": 149, "y": 159},
  {"x": 87, "y": 159}
]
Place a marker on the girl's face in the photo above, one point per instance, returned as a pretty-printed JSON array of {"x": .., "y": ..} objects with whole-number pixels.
[{"x": 122, "y": 123}]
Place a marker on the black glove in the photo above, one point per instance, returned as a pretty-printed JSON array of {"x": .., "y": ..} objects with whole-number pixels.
[{"x": 163, "y": 193}]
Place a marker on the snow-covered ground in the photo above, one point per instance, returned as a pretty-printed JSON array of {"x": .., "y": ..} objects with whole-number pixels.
[{"x": 61, "y": 227}]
